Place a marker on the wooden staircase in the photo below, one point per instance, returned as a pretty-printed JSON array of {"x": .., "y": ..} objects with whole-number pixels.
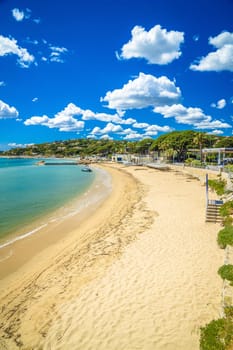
[{"x": 212, "y": 212}]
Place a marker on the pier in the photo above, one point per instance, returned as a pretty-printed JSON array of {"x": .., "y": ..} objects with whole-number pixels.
[{"x": 42, "y": 162}]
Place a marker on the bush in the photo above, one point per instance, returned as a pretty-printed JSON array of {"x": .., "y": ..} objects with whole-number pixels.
[
  {"x": 226, "y": 209},
  {"x": 227, "y": 221},
  {"x": 229, "y": 311},
  {"x": 226, "y": 272},
  {"x": 218, "y": 186},
  {"x": 188, "y": 161},
  {"x": 225, "y": 237},
  {"x": 217, "y": 335}
]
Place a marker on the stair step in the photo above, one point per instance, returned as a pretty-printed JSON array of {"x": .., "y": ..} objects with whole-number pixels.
[{"x": 212, "y": 213}]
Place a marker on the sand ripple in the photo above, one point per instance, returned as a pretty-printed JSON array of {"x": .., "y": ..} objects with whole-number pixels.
[{"x": 116, "y": 292}]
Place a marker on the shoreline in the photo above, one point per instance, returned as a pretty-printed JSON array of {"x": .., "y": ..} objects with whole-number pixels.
[
  {"x": 140, "y": 274},
  {"x": 40, "y": 233}
]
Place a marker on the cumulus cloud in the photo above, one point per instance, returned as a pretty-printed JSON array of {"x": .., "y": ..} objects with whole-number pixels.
[
  {"x": 140, "y": 125},
  {"x": 190, "y": 116},
  {"x": 7, "y": 112},
  {"x": 220, "y": 104},
  {"x": 157, "y": 46},
  {"x": 133, "y": 136},
  {"x": 212, "y": 124},
  {"x": 106, "y": 137},
  {"x": 9, "y": 46},
  {"x": 215, "y": 132},
  {"x": 109, "y": 128},
  {"x": 219, "y": 60},
  {"x": 35, "y": 99},
  {"x": 104, "y": 117},
  {"x": 144, "y": 91},
  {"x": 158, "y": 128},
  {"x": 64, "y": 120},
  {"x": 20, "y": 15}
]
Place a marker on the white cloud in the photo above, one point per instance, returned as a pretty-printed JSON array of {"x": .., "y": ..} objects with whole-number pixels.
[
  {"x": 219, "y": 60},
  {"x": 9, "y": 46},
  {"x": 144, "y": 91},
  {"x": 157, "y": 46},
  {"x": 56, "y": 54},
  {"x": 35, "y": 99},
  {"x": 37, "y": 20},
  {"x": 109, "y": 128},
  {"x": 104, "y": 117},
  {"x": 106, "y": 137},
  {"x": 220, "y": 104},
  {"x": 216, "y": 132},
  {"x": 20, "y": 15},
  {"x": 20, "y": 145},
  {"x": 133, "y": 136},
  {"x": 140, "y": 125},
  {"x": 190, "y": 116},
  {"x": 157, "y": 128},
  {"x": 196, "y": 37},
  {"x": 7, "y": 112},
  {"x": 17, "y": 14},
  {"x": 2, "y": 83},
  {"x": 64, "y": 120},
  {"x": 212, "y": 124}
]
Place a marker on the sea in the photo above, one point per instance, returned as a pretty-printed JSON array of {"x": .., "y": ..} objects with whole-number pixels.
[{"x": 31, "y": 195}]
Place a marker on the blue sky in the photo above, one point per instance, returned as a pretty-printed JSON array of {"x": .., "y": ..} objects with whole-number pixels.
[{"x": 124, "y": 69}]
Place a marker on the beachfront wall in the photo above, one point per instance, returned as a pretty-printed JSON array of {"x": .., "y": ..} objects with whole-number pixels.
[
  {"x": 133, "y": 158},
  {"x": 200, "y": 173}
]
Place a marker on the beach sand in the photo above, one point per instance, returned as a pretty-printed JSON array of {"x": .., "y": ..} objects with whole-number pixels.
[{"x": 139, "y": 273}]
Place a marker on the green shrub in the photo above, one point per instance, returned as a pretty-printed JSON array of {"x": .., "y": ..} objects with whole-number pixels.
[
  {"x": 229, "y": 311},
  {"x": 228, "y": 221},
  {"x": 226, "y": 209},
  {"x": 217, "y": 335},
  {"x": 196, "y": 162},
  {"x": 218, "y": 185},
  {"x": 226, "y": 272},
  {"x": 188, "y": 161},
  {"x": 225, "y": 237}
]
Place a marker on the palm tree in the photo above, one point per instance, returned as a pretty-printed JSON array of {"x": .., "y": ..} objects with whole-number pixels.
[{"x": 200, "y": 140}]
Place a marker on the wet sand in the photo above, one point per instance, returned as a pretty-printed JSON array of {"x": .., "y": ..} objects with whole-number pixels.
[{"x": 139, "y": 273}]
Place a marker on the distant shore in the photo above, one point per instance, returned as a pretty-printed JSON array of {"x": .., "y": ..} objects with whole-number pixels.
[{"x": 138, "y": 272}]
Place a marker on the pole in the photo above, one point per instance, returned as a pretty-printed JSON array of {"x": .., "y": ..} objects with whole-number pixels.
[{"x": 207, "y": 190}]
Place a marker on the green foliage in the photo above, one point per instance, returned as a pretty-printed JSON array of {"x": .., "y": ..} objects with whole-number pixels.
[
  {"x": 176, "y": 143},
  {"x": 226, "y": 209},
  {"x": 217, "y": 335},
  {"x": 226, "y": 272},
  {"x": 225, "y": 237},
  {"x": 225, "y": 142},
  {"x": 217, "y": 185},
  {"x": 229, "y": 167},
  {"x": 227, "y": 221},
  {"x": 229, "y": 311}
]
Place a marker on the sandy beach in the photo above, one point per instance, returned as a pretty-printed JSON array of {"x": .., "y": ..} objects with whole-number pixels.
[{"x": 138, "y": 273}]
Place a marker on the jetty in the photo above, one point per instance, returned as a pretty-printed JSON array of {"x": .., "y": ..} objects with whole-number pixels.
[{"x": 42, "y": 162}]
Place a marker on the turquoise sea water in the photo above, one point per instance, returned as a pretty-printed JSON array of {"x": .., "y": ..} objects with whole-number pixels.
[{"x": 29, "y": 192}]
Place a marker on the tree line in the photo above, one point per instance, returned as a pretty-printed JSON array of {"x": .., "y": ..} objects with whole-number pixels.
[{"x": 178, "y": 145}]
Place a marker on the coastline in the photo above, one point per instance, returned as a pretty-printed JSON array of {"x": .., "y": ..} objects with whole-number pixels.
[
  {"x": 36, "y": 236},
  {"x": 140, "y": 274}
]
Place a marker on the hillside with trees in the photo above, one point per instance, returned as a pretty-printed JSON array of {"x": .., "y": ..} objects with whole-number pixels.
[{"x": 178, "y": 145}]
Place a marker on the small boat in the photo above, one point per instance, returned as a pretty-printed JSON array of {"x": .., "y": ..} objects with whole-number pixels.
[{"x": 87, "y": 169}]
